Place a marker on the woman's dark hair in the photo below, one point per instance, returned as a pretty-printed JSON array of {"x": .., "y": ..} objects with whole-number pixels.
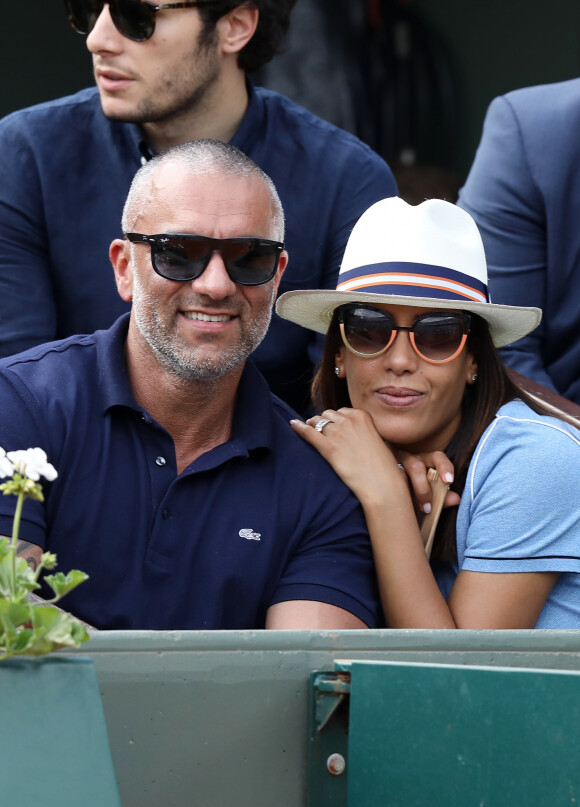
[
  {"x": 273, "y": 23},
  {"x": 480, "y": 403}
]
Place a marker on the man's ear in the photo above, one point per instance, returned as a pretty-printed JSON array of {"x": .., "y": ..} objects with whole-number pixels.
[
  {"x": 120, "y": 257},
  {"x": 282, "y": 263},
  {"x": 236, "y": 28}
]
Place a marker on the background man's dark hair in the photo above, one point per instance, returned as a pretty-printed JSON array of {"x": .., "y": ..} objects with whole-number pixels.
[{"x": 273, "y": 24}]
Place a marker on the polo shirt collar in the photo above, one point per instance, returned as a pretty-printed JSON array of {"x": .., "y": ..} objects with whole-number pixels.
[
  {"x": 251, "y": 129},
  {"x": 143, "y": 151},
  {"x": 113, "y": 376},
  {"x": 253, "y": 424}
]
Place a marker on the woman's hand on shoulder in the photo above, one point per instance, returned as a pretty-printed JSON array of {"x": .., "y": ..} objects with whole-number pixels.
[{"x": 348, "y": 440}]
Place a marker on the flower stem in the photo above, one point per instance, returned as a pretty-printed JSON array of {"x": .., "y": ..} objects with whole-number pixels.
[{"x": 15, "y": 531}]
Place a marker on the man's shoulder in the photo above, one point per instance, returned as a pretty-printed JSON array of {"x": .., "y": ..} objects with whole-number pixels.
[
  {"x": 82, "y": 368},
  {"x": 302, "y": 125},
  {"x": 71, "y": 130},
  {"x": 43, "y": 360},
  {"x": 542, "y": 102},
  {"x": 83, "y": 104},
  {"x": 103, "y": 347},
  {"x": 558, "y": 89},
  {"x": 296, "y": 454}
]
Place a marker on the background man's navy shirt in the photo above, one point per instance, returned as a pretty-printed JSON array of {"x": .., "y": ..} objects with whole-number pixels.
[
  {"x": 64, "y": 176},
  {"x": 258, "y": 520}
]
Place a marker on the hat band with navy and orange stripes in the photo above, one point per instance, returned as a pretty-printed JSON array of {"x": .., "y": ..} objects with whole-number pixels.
[{"x": 413, "y": 280}]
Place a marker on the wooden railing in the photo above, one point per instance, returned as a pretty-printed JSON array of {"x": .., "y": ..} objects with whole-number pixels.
[{"x": 564, "y": 408}]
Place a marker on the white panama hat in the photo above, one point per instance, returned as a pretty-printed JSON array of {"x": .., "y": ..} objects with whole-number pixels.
[{"x": 429, "y": 255}]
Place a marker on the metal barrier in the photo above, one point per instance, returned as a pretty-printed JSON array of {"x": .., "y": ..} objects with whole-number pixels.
[
  {"x": 410, "y": 735},
  {"x": 217, "y": 719}
]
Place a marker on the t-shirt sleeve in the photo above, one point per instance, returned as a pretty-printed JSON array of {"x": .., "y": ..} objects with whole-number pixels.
[
  {"x": 521, "y": 511},
  {"x": 333, "y": 562}
]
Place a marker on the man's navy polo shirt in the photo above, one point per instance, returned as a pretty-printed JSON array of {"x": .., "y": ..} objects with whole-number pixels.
[
  {"x": 258, "y": 520},
  {"x": 64, "y": 176}
]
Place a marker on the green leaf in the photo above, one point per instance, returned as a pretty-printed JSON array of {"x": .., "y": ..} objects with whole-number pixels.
[
  {"x": 22, "y": 641},
  {"x": 16, "y": 629},
  {"x": 23, "y": 584},
  {"x": 54, "y": 629},
  {"x": 35, "y": 630},
  {"x": 16, "y": 614},
  {"x": 79, "y": 633},
  {"x": 61, "y": 584}
]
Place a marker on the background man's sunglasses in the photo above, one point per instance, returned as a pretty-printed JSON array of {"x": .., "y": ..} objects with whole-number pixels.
[
  {"x": 135, "y": 19},
  {"x": 437, "y": 337},
  {"x": 183, "y": 257}
]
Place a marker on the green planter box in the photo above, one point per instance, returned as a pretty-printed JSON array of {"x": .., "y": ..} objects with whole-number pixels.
[{"x": 54, "y": 748}]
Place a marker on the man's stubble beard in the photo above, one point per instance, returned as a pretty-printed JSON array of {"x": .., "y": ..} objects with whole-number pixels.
[
  {"x": 183, "y": 91},
  {"x": 190, "y": 363}
]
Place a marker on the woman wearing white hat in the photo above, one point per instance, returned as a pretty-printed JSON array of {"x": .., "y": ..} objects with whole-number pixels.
[{"x": 410, "y": 365}]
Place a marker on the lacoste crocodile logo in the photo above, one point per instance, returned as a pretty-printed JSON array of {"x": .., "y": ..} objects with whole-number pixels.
[{"x": 250, "y": 535}]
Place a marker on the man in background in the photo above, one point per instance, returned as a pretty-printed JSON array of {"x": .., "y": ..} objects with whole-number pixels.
[
  {"x": 524, "y": 193},
  {"x": 164, "y": 78}
]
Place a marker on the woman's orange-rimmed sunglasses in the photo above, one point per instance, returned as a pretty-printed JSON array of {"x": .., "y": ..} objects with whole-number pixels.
[{"x": 438, "y": 337}]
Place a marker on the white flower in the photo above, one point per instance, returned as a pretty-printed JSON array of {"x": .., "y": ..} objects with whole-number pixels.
[
  {"x": 32, "y": 463},
  {"x": 6, "y": 467}
]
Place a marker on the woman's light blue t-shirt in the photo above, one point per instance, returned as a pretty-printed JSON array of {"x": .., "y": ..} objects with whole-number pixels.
[{"x": 520, "y": 508}]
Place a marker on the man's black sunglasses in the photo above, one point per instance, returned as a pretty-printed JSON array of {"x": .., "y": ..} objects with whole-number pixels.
[
  {"x": 183, "y": 257},
  {"x": 135, "y": 19}
]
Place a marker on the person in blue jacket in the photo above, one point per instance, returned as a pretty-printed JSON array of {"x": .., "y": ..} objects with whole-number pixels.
[
  {"x": 164, "y": 77},
  {"x": 410, "y": 366},
  {"x": 523, "y": 192}
]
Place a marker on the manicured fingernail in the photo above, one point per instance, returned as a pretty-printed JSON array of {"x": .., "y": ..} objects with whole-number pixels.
[
  {"x": 426, "y": 507},
  {"x": 448, "y": 477}
]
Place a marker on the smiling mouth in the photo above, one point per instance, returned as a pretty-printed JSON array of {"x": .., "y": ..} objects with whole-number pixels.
[{"x": 198, "y": 315}]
